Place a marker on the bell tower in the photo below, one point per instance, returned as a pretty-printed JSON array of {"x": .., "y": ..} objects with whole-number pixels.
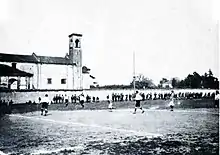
[{"x": 75, "y": 55}]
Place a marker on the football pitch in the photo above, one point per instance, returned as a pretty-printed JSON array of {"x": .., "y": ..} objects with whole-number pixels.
[{"x": 157, "y": 131}]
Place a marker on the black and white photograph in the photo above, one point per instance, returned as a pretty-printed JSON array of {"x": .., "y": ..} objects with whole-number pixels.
[{"x": 109, "y": 77}]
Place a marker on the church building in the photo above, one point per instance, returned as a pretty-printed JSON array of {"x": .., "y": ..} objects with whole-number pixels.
[{"x": 46, "y": 72}]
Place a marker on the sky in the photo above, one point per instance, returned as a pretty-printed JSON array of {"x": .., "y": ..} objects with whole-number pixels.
[{"x": 170, "y": 38}]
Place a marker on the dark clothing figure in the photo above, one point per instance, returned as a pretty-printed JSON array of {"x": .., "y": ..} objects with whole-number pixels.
[
  {"x": 143, "y": 96},
  {"x": 72, "y": 98},
  {"x": 62, "y": 99},
  {"x": 93, "y": 99},
  {"x": 138, "y": 103},
  {"x": 121, "y": 97},
  {"x": 87, "y": 98},
  {"x": 113, "y": 97},
  {"x": 130, "y": 96},
  {"x": 59, "y": 99},
  {"x": 97, "y": 99},
  {"x": 75, "y": 98},
  {"x": 171, "y": 107},
  {"x": 118, "y": 97},
  {"x": 155, "y": 96},
  {"x": 126, "y": 97},
  {"x": 66, "y": 102},
  {"x": 82, "y": 103},
  {"x": 39, "y": 99}
]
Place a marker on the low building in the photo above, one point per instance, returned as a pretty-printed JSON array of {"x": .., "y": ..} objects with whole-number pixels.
[{"x": 167, "y": 84}]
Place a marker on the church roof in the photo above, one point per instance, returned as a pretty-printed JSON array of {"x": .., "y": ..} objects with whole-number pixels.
[
  {"x": 17, "y": 58},
  {"x": 34, "y": 59},
  {"x": 10, "y": 71},
  {"x": 54, "y": 60}
]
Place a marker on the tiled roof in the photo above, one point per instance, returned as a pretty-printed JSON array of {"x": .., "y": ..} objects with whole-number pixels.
[
  {"x": 34, "y": 59},
  {"x": 54, "y": 60},
  {"x": 17, "y": 58}
]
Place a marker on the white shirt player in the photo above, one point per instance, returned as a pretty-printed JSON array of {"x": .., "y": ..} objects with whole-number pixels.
[
  {"x": 172, "y": 99},
  {"x": 45, "y": 99},
  {"x": 217, "y": 97},
  {"x": 172, "y": 96},
  {"x": 82, "y": 97},
  {"x": 66, "y": 97},
  {"x": 110, "y": 106},
  {"x": 138, "y": 97}
]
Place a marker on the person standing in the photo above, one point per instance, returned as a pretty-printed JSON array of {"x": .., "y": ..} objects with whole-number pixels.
[
  {"x": 110, "y": 105},
  {"x": 82, "y": 100},
  {"x": 72, "y": 98},
  {"x": 66, "y": 99},
  {"x": 172, "y": 98},
  {"x": 138, "y": 99},
  {"x": 217, "y": 99},
  {"x": 62, "y": 99},
  {"x": 45, "y": 102}
]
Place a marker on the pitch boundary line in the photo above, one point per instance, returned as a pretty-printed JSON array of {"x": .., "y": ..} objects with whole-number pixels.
[
  {"x": 91, "y": 125},
  {"x": 150, "y": 110},
  {"x": 146, "y": 110}
]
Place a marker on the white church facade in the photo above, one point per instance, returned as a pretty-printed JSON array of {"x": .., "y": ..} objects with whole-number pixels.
[{"x": 44, "y": 72}]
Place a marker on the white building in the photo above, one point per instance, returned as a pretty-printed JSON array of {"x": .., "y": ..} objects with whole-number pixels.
[
  {"x": 167, "y": 84},
  {"x": 44, "y": 72}
]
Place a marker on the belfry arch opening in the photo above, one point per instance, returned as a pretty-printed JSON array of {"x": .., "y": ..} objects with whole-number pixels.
[{"x": 77, "y": 43}]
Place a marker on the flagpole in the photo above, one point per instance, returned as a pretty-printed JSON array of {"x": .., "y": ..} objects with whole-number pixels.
[{"x": 134, "y": 77}]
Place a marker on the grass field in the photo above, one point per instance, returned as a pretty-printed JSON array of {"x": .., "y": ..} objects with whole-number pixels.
[{"x": 186, "y": 130}]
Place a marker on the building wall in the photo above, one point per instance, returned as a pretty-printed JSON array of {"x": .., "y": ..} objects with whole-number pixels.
[
  {"x": 87, "y": 81},
  {"x": 56, "y": 73},
  {"x": 167, "y": 85},
  {"x": 44, "y": 71},
  {"x": 77, "y": 78}
]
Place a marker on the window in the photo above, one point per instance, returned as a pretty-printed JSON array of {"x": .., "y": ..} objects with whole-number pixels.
[
  {"x": 71, "y": 43},
  {"x": 77, "y": 42},
  {"x": 49, "y": 80},
  {"x": 63, "y": 81}
]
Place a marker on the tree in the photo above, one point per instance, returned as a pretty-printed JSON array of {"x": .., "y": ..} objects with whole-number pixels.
[
  {"x": 181, "y": 84},
  {"x": 162, "y": 81},
  {"x": 159, "y": 86},
  {"x": 174, "y": 82},
  {"x": 210, "y": 73},
  {"x": 142, "y": 82},
  {"x": 209, "y": 81},
  {"x": 196, "y": 80}
]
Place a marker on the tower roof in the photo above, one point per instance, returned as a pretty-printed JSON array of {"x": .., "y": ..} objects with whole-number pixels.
[{"x": 75, "y": 34}]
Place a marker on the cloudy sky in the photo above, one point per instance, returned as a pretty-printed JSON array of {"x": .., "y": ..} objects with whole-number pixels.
[{"x": 170, "y": 38}]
